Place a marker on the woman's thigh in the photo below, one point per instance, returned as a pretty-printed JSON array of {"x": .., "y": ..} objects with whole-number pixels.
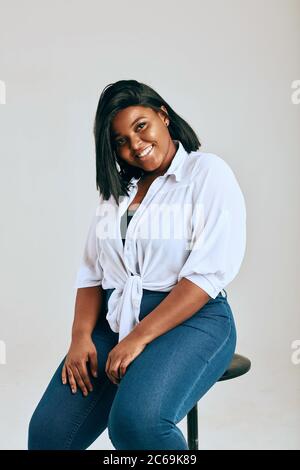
[
  {"x": 63, "y": 420},
  {"x": 177, "y": 368}
]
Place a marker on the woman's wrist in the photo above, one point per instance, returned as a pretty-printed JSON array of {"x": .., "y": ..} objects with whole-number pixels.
[{"x": 79, "y": 333}]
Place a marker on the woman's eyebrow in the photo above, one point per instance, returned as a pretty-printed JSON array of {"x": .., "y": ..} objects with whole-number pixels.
[{"x": 115, "y": 134}]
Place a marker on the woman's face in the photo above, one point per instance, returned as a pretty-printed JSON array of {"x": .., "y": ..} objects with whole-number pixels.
[{"x": 136, "y": 129}]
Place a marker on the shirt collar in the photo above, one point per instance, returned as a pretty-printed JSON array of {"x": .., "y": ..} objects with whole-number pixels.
[{"x": 177, "y": 163}]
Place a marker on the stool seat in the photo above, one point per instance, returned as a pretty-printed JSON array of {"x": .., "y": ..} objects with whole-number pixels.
[{"x": 239, "y": 365}]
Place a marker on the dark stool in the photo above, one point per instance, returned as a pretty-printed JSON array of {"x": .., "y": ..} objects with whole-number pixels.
[{"x": 239, "y": 365}]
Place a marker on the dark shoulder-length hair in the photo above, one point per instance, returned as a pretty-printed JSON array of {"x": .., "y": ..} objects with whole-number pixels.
[{"x": 113, "y": 174}]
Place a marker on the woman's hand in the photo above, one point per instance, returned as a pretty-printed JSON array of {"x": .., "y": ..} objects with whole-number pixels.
[
  {"x": 121, "y": 356},
  {"x": 82, "y": 350}
]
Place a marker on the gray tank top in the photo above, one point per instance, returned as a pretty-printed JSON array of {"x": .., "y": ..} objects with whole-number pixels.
[{"x": 125, "y": 219}]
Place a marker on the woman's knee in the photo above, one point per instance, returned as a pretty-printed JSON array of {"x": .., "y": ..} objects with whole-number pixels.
[
  {"x": 131, "y": 426},
  {"x": 44, "y": 433},
  {"x": 36, "y": 432}
]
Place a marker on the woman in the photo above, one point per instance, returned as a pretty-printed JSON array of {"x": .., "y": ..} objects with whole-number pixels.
[{"x": 153, "y": 330}]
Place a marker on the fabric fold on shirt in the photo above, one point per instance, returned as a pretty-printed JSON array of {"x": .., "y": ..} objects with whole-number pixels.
[{"x": 124, "y": 306}]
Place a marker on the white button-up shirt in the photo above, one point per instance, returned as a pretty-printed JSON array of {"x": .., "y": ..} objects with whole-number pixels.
[{"x": 191, "y": 223}]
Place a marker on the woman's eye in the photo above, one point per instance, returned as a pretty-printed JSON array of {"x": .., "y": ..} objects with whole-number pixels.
[{"x": 119, "y": 142}]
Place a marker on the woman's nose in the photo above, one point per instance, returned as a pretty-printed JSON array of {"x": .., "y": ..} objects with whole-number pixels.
[{"x": 137, "y": 145}]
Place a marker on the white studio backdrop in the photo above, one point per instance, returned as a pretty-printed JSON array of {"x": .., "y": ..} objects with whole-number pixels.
[{"x": 231, "y": 69}]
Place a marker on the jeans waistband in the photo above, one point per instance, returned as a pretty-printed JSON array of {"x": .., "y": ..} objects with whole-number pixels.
[{"x": 222, "y": 293}]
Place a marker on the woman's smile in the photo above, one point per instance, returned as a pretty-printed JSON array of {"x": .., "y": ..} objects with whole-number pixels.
[{"x": 147, "y": 152}]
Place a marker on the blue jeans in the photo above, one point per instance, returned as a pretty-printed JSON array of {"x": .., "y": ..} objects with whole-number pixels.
[{"x": 157, "y": 391}]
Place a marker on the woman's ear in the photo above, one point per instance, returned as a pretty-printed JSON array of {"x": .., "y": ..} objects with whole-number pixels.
[
  {"x": 164, "y": 115},
  {"x": 164, "y": 109}
]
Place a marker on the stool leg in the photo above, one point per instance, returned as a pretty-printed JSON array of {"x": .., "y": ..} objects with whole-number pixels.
[{"x": 192, "y": 428}]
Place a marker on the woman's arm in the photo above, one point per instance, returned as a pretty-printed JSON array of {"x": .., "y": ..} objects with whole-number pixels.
[
  {"x": 82, "y": 349},
  {"x": 87, "y": 308},
  {"x": 184, "y": 300}
]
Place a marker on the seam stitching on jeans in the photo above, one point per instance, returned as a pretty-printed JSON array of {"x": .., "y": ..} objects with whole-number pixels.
[
  {"x": 205, "y": 367},
  {"x": 89, "y": 409},
  {"x": 159, "y": 413}
]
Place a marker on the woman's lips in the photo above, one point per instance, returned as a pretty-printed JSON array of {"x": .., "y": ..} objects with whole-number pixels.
[{"x": 148, "y": 154}]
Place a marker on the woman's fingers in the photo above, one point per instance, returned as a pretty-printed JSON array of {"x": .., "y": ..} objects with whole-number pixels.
[
  {"x": 79, "y": 380},
  {"x": 64, "y": 374},
  {"x": 72, "y": 381},
  {"x": 122, "y": 370},
  {"x": 93, "y": 363},
  {"x": 85, "y": 376},
  {"x": 113, "y": 376},
  {"x": 107, "y": 370},
  {"x": 77, "y": 375}
]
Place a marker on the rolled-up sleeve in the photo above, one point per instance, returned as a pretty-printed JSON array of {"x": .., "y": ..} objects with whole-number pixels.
[
  {"x": 218, "y": 230},
  {"x": 90, "y": 273}
]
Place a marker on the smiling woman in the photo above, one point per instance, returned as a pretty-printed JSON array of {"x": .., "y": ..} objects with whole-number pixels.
[
  {"x": 130, "y": 117},
  {"x": 152, "y": 330},
  {"x": 146, "y": 144}
]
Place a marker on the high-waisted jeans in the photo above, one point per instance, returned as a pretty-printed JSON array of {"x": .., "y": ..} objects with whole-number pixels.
[{"x": 159, "y": 387}]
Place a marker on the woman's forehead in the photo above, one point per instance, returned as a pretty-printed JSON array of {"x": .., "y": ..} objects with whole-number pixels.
[{"x": 128, "y": 117}]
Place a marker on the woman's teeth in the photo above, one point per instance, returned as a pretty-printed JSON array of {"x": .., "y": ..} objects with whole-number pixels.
[{"x": 146, "y": 152}]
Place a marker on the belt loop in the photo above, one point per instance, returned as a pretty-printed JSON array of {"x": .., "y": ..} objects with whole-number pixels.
[{"x": 224, "y": 293}]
